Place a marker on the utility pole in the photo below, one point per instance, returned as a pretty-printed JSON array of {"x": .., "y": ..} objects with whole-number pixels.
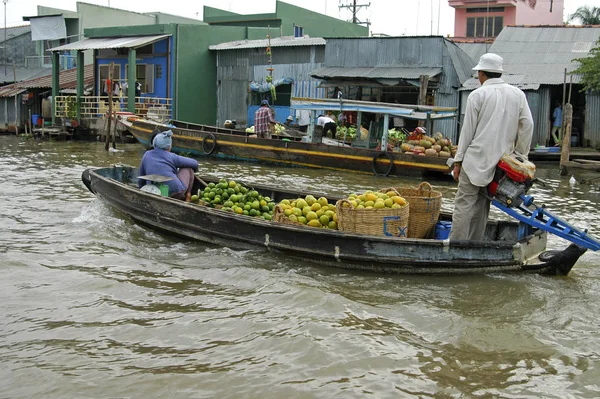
[
  {"x": 355, "y": 9},
  {"x": 5, "y": 59}
]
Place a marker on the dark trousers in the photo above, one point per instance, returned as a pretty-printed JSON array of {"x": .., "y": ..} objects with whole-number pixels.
[{"x": 330, "y": 126}]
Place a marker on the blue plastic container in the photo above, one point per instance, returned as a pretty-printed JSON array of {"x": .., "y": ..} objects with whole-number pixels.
[
  {"x": 35, "y": 119},
  {"x": 442, "y": 230}
]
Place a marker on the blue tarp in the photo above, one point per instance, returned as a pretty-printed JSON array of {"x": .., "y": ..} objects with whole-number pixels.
[{"x": 264, "y": 87}]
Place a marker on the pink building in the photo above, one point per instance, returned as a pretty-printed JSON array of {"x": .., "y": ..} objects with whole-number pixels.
[{"x": 486, "y": 18}]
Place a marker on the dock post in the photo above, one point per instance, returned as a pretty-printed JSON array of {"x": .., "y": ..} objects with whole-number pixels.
[{"x": 566, "y": 140}]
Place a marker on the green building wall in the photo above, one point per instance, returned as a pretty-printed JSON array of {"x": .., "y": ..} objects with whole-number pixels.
[
  {"x": 284, "y": 19},
  {"x": 196, "y": 83},
  {"x": 315, "y": 24}
]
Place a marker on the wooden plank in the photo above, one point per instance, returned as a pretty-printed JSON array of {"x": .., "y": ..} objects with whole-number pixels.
[
  {"x": 575, "y": 165},
  {"x": 586, "y": 161}
]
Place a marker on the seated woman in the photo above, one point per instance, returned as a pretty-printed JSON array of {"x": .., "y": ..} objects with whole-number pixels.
[{"x": 161, "y": 161}]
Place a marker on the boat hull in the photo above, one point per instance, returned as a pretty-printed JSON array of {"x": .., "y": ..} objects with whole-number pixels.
[
  {"x": 202, "y": 140},
  {"x": 324, "y": 246}
]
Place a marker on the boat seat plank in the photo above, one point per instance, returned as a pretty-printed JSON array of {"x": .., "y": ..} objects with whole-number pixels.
[{"x": 156, "y": 178}]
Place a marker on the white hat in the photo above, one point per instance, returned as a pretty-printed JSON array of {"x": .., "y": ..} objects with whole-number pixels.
[{"x": 490, "y": 62}]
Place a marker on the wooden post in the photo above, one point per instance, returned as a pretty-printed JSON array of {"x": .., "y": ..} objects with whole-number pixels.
[
  {"x": 384, "y": 136},
  {"x": 16, "y": 102},
  {"x": 114, "y": 140},
  {"x": 110, "y": 98},
  {"x": 566, "y": 140},
  {"x": 567, "y": 125},
  {"x": 424, "y": 81}
]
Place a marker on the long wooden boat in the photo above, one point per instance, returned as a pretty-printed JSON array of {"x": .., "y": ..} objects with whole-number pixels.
[
  {"x": 502, "y": 251},
  {"x": 203, "y": 140}
]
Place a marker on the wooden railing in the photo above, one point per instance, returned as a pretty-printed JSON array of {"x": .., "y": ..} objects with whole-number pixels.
[{"x": 95, "y": 107}]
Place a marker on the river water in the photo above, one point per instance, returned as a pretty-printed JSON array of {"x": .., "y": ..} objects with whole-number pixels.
[{"x": 94, "y": 306}]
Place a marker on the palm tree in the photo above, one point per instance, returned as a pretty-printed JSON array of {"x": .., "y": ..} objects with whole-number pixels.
[{"x": 587, "y": 15}]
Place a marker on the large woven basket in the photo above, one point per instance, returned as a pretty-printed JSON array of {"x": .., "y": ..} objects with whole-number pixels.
[
  {"x": 279, "y": 216},
  {"x": 379, "y": 222},
  {"x": 425, "y": 204}
]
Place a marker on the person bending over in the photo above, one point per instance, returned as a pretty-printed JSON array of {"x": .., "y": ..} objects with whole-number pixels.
[{"x": 161, "y": 161}]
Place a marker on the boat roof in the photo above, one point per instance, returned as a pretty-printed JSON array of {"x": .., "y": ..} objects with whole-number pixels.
[{"x": 417, "y": 112}]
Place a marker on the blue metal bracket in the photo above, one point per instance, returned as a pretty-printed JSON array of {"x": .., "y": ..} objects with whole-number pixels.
[{"x": 540, "y": 218}]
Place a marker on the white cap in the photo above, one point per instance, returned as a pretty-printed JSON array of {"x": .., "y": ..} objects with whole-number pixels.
[{"x": 490, "y": 62}]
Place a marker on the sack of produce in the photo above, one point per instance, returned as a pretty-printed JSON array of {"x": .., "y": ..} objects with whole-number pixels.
[
  {"x": 308, "y": 211},
  {"x": 374, "y": 213},
  {"x": 425, "y": 205}
]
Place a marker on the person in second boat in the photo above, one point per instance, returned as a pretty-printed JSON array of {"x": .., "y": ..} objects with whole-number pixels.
[
  {"x": 497, "y": 121},
  {"x": 263, "y": 121},
  {"x": 161, "y": 161},
  {"x": 328, "y": 124}
]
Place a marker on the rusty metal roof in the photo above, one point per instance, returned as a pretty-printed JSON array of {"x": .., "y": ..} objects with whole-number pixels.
[
  {"x": 111, "y": 42},
  {"x": 67, "y": 79}
]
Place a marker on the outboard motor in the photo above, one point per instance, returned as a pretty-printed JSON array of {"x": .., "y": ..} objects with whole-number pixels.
[{"x": 513, "y": 178}]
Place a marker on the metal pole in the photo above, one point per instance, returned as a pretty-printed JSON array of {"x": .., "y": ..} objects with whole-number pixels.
[{"x": 5, "y": 60}]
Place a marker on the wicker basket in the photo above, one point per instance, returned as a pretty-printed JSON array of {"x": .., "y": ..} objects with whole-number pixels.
[
  {"x": 379, "y": 222},
  {"x": 279, "y": 217},
  {"x": 425, "y": 205}
]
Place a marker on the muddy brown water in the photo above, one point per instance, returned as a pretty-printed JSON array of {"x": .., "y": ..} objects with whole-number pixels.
[{"x": 94, "y": 306}]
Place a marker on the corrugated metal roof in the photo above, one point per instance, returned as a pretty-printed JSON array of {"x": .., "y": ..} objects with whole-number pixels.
[
  {"x": 463, "y": 64},
  {"x": 374, "y": 72},
  {"x": 286, "y": 41},
  {"x": 110, "y": 42},
  {"x": 15, "y": 31},
  {"x": 9, "y": 91},
  {"x": 67, "y": 79},
  {"x": 474, "y": 50},
  {"x": 519, "y": 81},
  {"x": 541, "y": 53}
]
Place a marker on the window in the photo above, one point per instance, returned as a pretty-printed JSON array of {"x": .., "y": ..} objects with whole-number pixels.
[
  {"x": 144, "y": 73},
  {"x": 484, "y": 26}
]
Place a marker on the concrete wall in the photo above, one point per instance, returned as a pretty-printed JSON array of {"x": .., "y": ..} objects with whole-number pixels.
[
  {"x": 522, "y": 14},
  {"x": 316, "y": 24},
  {"x": 540, "y": 15},
  {"x": 17, "y": 49}
]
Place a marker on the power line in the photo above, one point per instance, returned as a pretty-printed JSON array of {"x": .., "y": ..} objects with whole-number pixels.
[{"x": 355, "y": 8}]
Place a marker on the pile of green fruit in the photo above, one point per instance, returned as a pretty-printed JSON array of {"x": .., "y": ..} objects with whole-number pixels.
[
  {"x": 231, "y": 196},
  {"x": 310, "y": 211}
]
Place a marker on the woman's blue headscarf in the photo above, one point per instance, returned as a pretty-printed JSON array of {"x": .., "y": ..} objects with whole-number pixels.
[{"x": 163, "y": 140}]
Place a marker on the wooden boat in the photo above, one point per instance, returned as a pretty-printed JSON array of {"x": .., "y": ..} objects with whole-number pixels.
[
  {"x": 501, "y": 252},
  {"x": 202, "y": 140}
]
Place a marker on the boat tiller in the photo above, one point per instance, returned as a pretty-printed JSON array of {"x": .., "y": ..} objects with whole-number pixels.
[{"x": 508, "y": 191}]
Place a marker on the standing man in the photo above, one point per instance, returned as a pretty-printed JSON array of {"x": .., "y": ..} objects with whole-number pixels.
[
  {"x": 263, "y": 120},
  {"x": 497, "y": 121},
  {"x": 557, "y": 124},
  {"x": 303, "y": 119}
]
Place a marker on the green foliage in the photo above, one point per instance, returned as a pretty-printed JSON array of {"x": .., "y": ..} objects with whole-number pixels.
[
  {"x": 587, "y": 15},
  {"x": 589, "y": 68},
  {"x": 71, "y": 107}
]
